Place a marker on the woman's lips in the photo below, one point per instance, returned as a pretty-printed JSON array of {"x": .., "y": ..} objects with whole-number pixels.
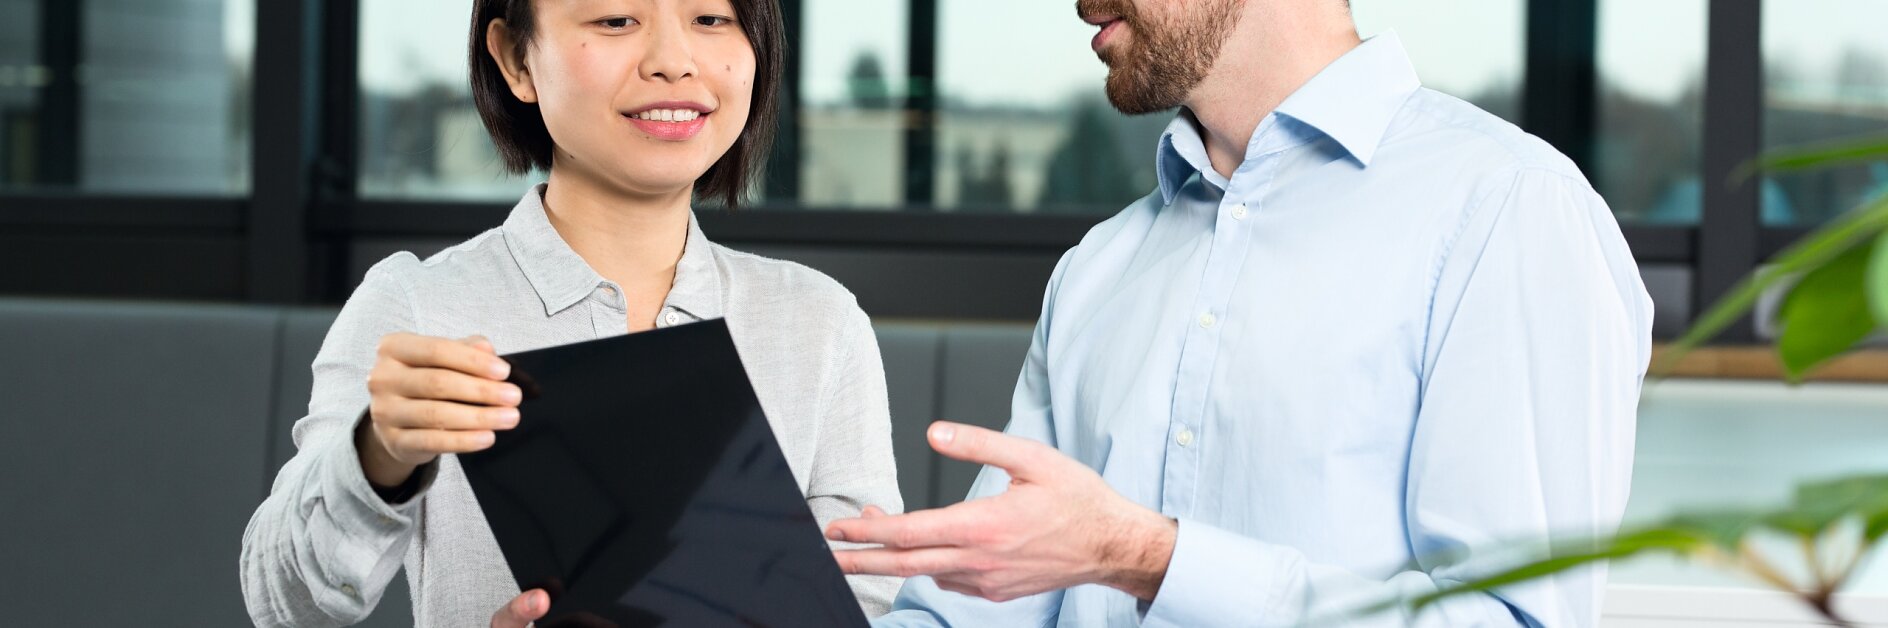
[{"x": 671, "y": 131}]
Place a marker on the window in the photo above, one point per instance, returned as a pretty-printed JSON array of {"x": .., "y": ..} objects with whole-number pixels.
[
  {"x": 1647, "y": 154},
  {"x": 1825, "y": 78},
  {"x": 852, "y": 115},
  {"x": 1025, "y": 126},
  {"x": 126, "y": 96},
  {"x": 420, "y": 137},
  {"x": 1470, "y": 49}
]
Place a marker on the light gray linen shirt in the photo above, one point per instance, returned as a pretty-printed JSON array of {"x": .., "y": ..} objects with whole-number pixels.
[{"x": 323, "y": 546}]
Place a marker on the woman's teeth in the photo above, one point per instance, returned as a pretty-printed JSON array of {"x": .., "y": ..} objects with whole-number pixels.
[{"x": 668, "y": 115}]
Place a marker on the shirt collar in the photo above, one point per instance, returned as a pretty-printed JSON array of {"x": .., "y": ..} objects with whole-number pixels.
[
  {"x": 562, "y": 278},
  {"x": 1353, "y": 101},
  {"x": 697, "y": 289}
]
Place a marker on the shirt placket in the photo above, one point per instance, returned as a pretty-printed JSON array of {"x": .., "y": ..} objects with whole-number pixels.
[
  {"x": 1187, "y": 436},
  {"x": 608, "y": 316}
]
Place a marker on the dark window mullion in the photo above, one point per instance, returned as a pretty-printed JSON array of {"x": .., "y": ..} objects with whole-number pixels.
[
  {"x": 1730, "y": 232},
  {"x": 1559, "y": 98},
  {"x": 57, "y": 139},
  {"x": 921, "y": 105},
  {"x": 783, "y": 166},
  {"x": 286, "y": 77}
]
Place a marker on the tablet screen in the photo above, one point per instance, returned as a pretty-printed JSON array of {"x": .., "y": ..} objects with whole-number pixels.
[{"x": 643, "y": 487}]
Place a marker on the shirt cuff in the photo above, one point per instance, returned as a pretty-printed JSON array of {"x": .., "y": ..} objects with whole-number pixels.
[
  {"x": 1217, "y": 578},
  {"x": 360, "y": 540}
]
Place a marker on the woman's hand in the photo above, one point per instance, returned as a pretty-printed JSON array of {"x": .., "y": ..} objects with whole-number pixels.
[
  {"x": 522, "y": 610},
  {"x": 432, "y": 396}
]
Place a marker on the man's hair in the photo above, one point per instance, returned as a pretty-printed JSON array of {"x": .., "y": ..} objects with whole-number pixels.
[{"x": 517, "y": 127}]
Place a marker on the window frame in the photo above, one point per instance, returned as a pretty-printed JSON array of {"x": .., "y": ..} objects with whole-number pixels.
[{"x": 303, "y": 216}]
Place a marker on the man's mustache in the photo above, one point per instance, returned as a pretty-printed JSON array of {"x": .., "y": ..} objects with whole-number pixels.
[{"x": 1123, "y": 9}]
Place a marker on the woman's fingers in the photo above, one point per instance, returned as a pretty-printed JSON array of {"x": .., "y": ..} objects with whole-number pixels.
[
  {"x": 403, "y": 413},
  {"x": 434, "y": 442},
  {"x": 522, "y": 610},
  {"x": 448, "y": 385},
  {"x": 473, "y": 356}
]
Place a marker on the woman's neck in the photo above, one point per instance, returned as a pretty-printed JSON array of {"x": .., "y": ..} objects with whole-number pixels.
[{"x": 634, "y": 240}]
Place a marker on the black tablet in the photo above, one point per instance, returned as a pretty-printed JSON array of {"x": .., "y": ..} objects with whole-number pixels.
[{"x": 643, "y": 487}]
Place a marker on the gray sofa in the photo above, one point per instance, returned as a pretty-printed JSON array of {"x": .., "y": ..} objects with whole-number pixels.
[{"x": 139, "y": 437}]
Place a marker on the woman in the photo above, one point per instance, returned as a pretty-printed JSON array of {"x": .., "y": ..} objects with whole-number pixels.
[{"x": 633, "y": 107}]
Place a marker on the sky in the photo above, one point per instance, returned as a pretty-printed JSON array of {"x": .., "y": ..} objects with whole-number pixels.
[{"x": 1035, "y": 52}]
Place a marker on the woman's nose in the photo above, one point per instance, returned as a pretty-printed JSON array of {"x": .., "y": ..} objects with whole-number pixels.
[{"x": 669, "y": 57}]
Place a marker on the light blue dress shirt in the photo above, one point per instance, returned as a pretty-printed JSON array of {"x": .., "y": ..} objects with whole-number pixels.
[{"x": 1403, "y": 330}]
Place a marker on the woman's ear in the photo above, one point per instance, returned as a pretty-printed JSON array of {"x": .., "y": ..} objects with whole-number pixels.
[{"x": 510, "y": 58}]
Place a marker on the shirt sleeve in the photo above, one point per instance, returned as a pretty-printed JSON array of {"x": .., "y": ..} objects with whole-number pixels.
[
  {"x": 853, "y": 465},
  {"x": 323, "y": 546},
  {"x": 1538, "y": 340},
  {"x": 921, "y": 602}
]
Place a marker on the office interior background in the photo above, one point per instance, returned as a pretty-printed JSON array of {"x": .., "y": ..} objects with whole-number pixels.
[{"x": 936, "y": 156}]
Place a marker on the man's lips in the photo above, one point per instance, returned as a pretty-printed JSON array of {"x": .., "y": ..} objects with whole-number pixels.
[{"x": 1109, "y": 26}]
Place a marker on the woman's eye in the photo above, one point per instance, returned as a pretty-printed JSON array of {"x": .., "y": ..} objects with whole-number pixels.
[
  {"x": 616, "y": 23},
  {"x": 713, "y": 20}
]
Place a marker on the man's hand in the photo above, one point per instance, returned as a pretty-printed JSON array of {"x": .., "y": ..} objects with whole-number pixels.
[
  {"x": 1058, "y": 525},
  {"x": 522, "y": 610}
]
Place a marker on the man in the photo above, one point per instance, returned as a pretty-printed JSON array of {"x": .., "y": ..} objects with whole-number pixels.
[{"x": 1361, "y": 331}]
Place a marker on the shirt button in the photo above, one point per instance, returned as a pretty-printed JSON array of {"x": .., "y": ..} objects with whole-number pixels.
[
  {"x": 349, "y": 590},
  {"x": 1239, "y": 212},
  {"x": 609, "y": 291},
  {"x": 671, "y": 318},
  {"x": 1207, "y": 320},
  {"x": 1185, "y": 438}
]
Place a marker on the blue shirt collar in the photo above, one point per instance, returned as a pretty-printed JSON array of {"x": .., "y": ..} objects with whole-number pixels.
[{"x": 1352, "y": 101}]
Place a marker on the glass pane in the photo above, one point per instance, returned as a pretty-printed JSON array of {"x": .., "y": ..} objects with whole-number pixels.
[
  {"x": 126, "y": 96},
  {"x": 1825, "y": 78},
  {"x": 420, "y": 137},
  {"x": 1470, "y": 49},
  {"x": 1036, "y": 139},
  {"x": 1647, "y": 159},
  {"x": 852, "y": 71}
]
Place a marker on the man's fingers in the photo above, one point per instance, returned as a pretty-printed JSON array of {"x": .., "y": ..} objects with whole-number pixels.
[
  {"x": 1024, "y": 459},
  {"x": 522, "y": 610},
  {"x": 871, "y": 512},
  {"x": 904, "y": 563},
  {"x": 927, "y": 528},
  {"x": 425, "y": 351}
]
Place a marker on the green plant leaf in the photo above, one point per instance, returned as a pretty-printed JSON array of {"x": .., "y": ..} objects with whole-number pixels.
[
  {"x": 1819, "y": 505},
  {"x": 1675, "y": 540},
  {"x": 1878, "y": 281},
  {"x": 1875, "y": 526},
  {"x": 1722, "y": 528},
  {"x": 1826, "y": 313},
  {"x": 1814, "y": 508},
  {"x": 1814, "y": 156},
  {"x": 1811, "y": 252}
]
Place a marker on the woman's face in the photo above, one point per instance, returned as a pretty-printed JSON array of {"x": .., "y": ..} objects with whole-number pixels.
[{"x": 643, "y": 95}]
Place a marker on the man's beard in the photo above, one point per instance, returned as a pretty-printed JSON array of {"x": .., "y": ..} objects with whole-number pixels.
[{"x": 1167, "y": 56}]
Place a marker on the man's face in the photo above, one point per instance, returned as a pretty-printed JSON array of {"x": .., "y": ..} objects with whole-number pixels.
[{"x": 1157, "y": 51}]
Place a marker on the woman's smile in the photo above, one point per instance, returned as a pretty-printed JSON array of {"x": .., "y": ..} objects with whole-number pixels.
[{"x": 674, "y": 121}]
